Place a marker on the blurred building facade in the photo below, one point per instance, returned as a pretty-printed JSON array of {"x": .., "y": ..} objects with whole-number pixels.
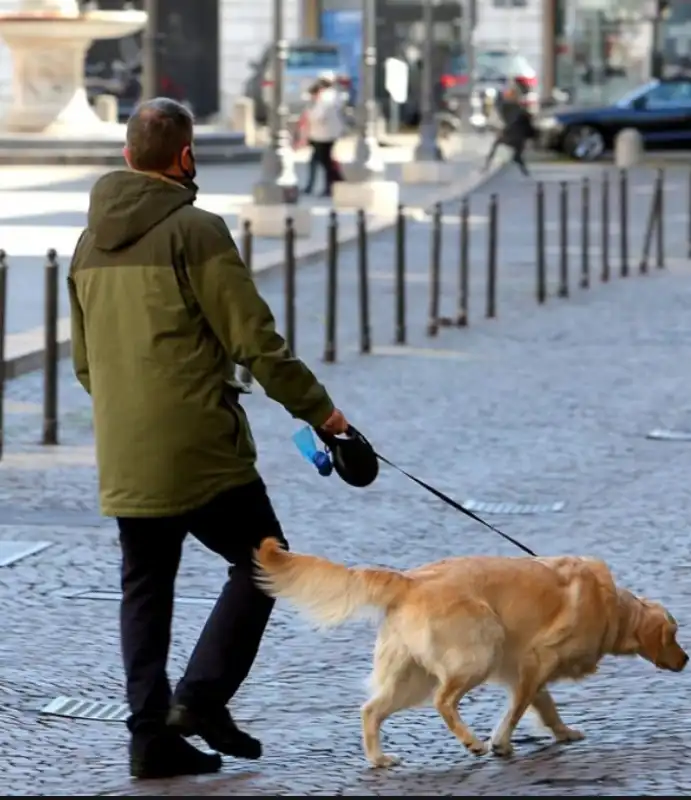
[
  {"x": 204, "y": 50},
  {"x": 595, "y": 48}
]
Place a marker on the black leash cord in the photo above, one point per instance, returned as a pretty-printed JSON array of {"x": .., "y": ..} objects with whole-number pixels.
[{"x": 446, "y": 499}]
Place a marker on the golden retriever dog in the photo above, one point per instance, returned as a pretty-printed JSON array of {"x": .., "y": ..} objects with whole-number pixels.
[{"x": 451, "y": 626}]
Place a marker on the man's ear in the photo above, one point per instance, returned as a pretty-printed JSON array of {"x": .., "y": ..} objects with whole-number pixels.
[{"x": 126, "y": 156}]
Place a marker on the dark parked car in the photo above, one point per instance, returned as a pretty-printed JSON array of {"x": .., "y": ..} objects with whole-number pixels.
[{"x": 660, "y": 110}]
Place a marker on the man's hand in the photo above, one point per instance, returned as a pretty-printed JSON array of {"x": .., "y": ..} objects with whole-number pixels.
[{"x": 336, "y": 423}]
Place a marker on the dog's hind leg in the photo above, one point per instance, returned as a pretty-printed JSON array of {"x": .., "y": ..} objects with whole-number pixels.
[
  {"x": 544, "y": 705},
  {"x": 398, "y": 682}
]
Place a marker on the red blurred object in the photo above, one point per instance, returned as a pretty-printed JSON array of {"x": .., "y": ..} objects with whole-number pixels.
[
  {"x": 343, "y": 81},
  {"x": 526, "y": 82},
  {"x": 448, "y": 81},
  {"x": 267, "y": 83}
]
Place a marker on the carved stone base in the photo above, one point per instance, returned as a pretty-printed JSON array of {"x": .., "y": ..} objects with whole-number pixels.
[
  {"x": 434, "y": 172},
  {"x": 270, "y": 221},
  {"x": 377, "y": 197}
]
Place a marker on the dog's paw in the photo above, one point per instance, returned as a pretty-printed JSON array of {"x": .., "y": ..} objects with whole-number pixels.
[
  {"x": 568, "y": 735},
  {"x": 478, "y": 747},
  {"x": 384, "y": 760},
  {"x": 501, "y": 747}
]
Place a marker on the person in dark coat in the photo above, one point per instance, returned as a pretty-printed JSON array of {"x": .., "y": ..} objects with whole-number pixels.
[
  {"x": 161, "y": 302},
  {"x": 517, "y": 129}
]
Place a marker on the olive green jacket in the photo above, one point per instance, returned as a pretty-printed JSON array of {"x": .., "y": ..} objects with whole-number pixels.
[{"x": 162, "y": 306}]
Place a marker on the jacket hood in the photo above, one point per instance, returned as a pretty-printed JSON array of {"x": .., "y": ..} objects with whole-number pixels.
[{"x": 124, "y": 205}]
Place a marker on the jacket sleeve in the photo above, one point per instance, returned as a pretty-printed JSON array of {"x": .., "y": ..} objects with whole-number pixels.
[
  {"x": 244, "y": 324},
  {"x": 79, "y": 355}
]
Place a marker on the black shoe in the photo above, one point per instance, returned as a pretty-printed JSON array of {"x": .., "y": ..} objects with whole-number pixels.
[
  {"x": 217, "y": 729},
  {"x": 167, "y": 756},
  {"x": 307, "y": 190}
]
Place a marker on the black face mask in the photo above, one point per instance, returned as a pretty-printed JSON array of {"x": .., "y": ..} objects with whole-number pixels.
[{"x": 188, "y": 176}]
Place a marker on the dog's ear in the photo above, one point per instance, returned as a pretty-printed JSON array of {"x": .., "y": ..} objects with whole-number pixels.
[{"x": 652, "y": 633}]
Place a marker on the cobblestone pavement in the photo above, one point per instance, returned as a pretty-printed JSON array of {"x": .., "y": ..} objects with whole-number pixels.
[
  {"x": 540, "y": 405},
  {"x": 42, "y": 208}
]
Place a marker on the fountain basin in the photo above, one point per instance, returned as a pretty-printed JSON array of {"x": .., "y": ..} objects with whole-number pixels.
[
  {"x": 48, "y": 48},
  {"x": 50, "y": 120},
  {"x": 90, "y": 25}
]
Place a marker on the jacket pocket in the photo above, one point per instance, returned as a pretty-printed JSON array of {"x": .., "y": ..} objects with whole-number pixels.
[{"x": 242, "y": 433}]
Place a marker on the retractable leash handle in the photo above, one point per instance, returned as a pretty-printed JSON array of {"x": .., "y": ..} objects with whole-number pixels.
[{"x": 353, "y": 457}]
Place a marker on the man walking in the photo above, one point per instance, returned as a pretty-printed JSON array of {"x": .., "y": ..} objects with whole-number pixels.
[
  {"x": 161, "y": 305},
  {"x": 517, "y": 129}
]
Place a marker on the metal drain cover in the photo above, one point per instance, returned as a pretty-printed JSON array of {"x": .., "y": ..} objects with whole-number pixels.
[
  {"x": 664, "y": 435},
  {"x": 184, "y": 601},
  {"x": 79, "y": 708},
  {"x": 11, "y": 552},
  {"x": 514, "y": 508}
]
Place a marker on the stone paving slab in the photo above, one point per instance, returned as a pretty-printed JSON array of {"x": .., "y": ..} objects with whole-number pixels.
[{"x": 542, "y": 405}]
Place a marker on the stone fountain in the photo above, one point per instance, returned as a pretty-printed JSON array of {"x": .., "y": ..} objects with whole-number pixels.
[
  {"x": 48, "y": 40},
  {"x": 50, "y": 120}
]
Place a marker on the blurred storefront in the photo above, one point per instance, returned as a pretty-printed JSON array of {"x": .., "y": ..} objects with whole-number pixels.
[
  {"x": 188, "y": 57},
  {"x": 605, "y": 47},
  {"x": 400, "y": 34}
]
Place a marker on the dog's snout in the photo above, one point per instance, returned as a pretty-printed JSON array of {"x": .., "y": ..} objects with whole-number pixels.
[{"x": 680, "y": 663}]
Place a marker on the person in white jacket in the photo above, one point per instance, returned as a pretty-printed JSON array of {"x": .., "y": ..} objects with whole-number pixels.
[{"x": 324, "y": 126}]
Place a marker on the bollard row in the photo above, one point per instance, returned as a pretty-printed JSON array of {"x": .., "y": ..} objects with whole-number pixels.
[
  {"x": 461, "y": 318},
  {"x": 654, "y": 234}
]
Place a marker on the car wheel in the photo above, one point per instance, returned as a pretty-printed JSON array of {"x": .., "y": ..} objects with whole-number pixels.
[{"x": 584, "y": 143}]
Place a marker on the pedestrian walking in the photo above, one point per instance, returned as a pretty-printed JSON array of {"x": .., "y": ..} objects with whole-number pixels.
[
  {"x": 517, "y": 129},
  {"x": 160, "y": 304},
  {"x": 323, "y": 126}
]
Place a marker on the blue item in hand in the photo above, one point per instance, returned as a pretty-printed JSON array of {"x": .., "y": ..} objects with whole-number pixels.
[{"x": 304, "y": 440}]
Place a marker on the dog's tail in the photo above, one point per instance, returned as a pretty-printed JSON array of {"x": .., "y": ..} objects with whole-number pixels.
[{"x": 330, "y": 593}]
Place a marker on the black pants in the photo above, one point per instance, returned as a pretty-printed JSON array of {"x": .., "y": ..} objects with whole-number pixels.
[
  {"x": 322, "y": 156},
  {"x": 232, "y": 525},
  {"x": 518, "y": 149}
]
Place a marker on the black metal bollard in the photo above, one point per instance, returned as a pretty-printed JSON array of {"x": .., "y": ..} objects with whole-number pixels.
[
  {"x": 604, "y": 229},
  {"x": 462, "y": 318},
  {"x": 563, "y": 290},
  {"x": 245, "y": 375},
  {"x": 540, "y": 256},
  {"x": 3, "y": 314},
  {"x": 435, "y": 273},
  {"x": 331, "y": 289},
  {"x": 290, "y": 284},
  {"x": 623, "y": 223},
  {"x": 660, "y": 239},
  {"x": 585, "y": 234},
  {"x": 51, "y": 355},
  {"x": 400, "y": 333},
  {"x": 650, "y": 230},
  {"x": 247, "y": 242},
  {"x": 491, "y": 299},
  {"x": 363, "y": 283}
]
